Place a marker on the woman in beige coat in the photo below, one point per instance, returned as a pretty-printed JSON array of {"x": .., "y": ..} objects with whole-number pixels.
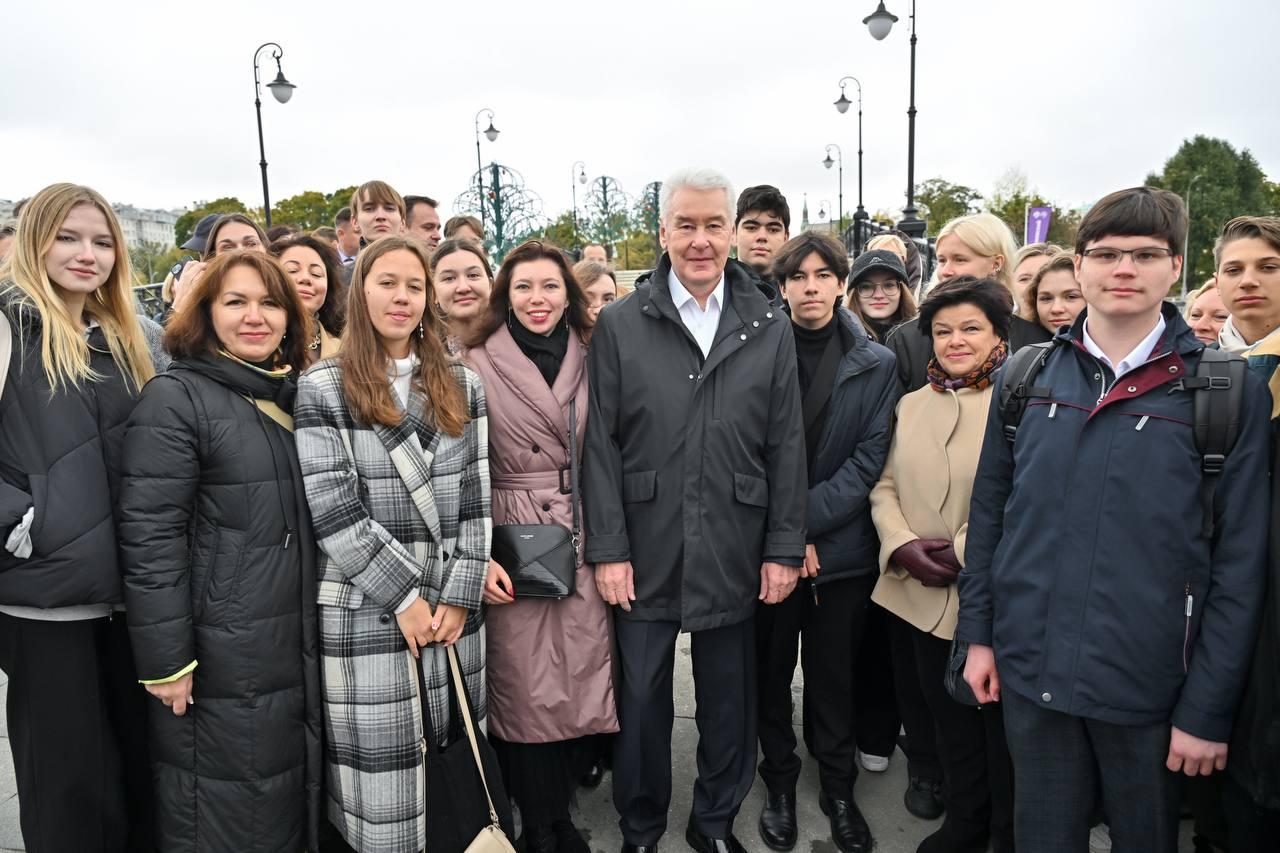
[
  {"x": 921, "y": 509},
  {"x": 550, "y": 666}
]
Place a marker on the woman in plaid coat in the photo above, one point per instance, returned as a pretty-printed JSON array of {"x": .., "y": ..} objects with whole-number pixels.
[{"x": 393, "y": 446}]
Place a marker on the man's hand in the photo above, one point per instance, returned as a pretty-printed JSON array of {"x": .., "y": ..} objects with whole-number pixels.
[
  {"x": 415, "y": 623},
  {"x": 448, "y": 623},
  {"x": 616, "y": 584},
  {"x": 810, "y": 569},
  {"x": 1193, "y": 756},
  {"x": 777, "y": 581},
  {"x": 918, "y": 561},
  {"x": 498, "y": 588},
  {"x": 980, "y": 673},
  {"x": 174, "y": 694}
]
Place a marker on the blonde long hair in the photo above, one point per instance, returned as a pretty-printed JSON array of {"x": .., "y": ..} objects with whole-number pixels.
[
  {"x": 64, "y": 353},
  {"x": 986, "y": 235}
]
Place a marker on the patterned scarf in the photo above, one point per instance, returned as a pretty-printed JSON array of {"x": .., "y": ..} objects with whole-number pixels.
[{"x": 977, "y": 379}]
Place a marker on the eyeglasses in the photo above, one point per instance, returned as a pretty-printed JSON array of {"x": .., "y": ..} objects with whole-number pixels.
[
  {"x": 866, "y": 288},
  {"x": 1147, "y": 256}
]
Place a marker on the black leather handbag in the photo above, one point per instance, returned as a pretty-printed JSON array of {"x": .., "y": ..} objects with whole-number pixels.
[{"x": 542, "y": 559}]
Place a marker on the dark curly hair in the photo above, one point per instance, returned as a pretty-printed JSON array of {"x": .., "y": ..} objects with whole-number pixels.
[
  {"x": 333, "y": 313},
  {"x": 987, "y": 295}
]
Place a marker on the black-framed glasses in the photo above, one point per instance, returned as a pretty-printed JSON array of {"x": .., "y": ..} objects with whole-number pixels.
[
  {"x": 1144, "y": 257},
  {"x": 867, "y": 288}
]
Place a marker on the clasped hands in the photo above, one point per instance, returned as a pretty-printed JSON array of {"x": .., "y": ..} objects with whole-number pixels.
[
  {"x": 421, "y": 626},
  {"x": 931, "y": 561}
]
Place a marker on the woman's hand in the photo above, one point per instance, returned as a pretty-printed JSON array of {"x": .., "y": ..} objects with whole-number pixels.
[
  {"x": 498, "y": 588},
  {"x": 186, "y": 282},
  {"x": 917, "y": 559},
  {"x": 810, "y": 569},
  {"x": 415, "y": 623},
  {"x": 448, "y": 623},
  {"x": 174, "y": 694},
  {"x": 980, "y": 672}
]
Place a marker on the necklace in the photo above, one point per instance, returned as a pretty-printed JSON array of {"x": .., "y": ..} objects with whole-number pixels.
[{"x": 315, "y": 341}]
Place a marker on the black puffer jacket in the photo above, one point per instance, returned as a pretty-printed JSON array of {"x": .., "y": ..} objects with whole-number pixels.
[
  {"x": 219, "y": 568},
  {"x": 60, "y": 453}
]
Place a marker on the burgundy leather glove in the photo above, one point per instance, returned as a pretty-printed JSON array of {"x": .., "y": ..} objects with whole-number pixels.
[
  {"x": 916, "y": 558},
  {"x": 946, "y": 557}
]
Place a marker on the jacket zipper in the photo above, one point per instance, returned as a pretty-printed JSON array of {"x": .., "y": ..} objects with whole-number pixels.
[{"x": 1188, "y": 601}]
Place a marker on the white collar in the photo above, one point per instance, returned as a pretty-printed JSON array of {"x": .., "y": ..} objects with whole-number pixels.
[
  {"x": 1136, "y": 357},
  {"x": 680, "y": 295}
]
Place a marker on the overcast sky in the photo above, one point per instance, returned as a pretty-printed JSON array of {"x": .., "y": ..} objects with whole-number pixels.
[{"x": 151, "y": 102}]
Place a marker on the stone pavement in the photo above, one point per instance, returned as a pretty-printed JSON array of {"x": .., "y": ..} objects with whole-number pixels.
[{"x": 879, "y": 795}]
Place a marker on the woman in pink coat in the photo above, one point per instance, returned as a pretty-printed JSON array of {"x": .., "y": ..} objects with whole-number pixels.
[{"x": 550, "y": 667}]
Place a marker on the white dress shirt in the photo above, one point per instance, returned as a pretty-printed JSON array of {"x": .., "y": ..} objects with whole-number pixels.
[
  {"x": 701, "y": 322},
  {"x": 1133, "y": 360}
]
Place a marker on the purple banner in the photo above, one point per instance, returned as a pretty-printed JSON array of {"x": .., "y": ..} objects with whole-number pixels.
[{"x": 1037, "y": 230}]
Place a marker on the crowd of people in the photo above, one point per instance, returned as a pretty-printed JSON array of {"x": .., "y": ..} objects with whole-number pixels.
[{"x": 270, "y": 553}]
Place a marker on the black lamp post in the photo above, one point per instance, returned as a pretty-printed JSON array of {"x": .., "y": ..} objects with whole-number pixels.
[
  {"x": 282, "y": 89},
  {"x": 879, "y": 23},
  {"x": 577, "y": 175},
  {"x": 491, "y": 134},
  {"x": 840, "y": 186},
  {"x": 860, "y": 215}
]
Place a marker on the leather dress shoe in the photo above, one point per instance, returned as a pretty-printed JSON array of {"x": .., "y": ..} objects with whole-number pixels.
[
  {"x": 593, "y": 776},
  {"x": 951, "y": 838},
  {"x": 628, "y": 847},
  {"x": 706, "y": 844},
  {"x": 923, "y": 798},
  {"x": 778, "y": 821},
  {"x": 849, "y": 828}
]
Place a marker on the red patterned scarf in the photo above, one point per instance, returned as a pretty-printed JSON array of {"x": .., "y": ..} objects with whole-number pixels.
[{"x": 978, "y": 378}]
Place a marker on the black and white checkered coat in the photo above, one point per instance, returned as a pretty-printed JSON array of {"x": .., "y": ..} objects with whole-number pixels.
[{"x": 379, "y": 539}]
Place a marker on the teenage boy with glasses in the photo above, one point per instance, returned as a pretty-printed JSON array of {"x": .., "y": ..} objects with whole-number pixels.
[{"x": 1120, "y": 625}]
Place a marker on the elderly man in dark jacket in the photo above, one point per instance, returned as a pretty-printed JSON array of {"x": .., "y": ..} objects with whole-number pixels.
[
  {"x": 1121, "y": 625},
  {"x": 849, "y": 390},
  {"x": 694, "y": 493}
]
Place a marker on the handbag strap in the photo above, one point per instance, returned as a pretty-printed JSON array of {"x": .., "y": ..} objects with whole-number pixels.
[
  {"x": 6, "y": 350},
  {"x": 464, "y": 704},
  {"x": 573, "y": 475}
]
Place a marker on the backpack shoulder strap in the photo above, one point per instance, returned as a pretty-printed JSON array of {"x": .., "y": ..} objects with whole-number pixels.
[
  {"x": 1016, "y": 386},
  {"x": 1218, "y": 386}
]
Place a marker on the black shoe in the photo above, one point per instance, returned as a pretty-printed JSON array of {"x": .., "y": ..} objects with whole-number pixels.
[
  {"x": 778, "y": 821},
  {"x": 706, "y": 844},
  {"x": 849, "y": 828},
  {"x": 540, "y": 838},
  {"x": 923, "y": 798},
  {"x": 954, "y": 839},
  {"x": 568, "y": 838},
  {"x": 628, "y": 847},
  {"x": 593, "y": 776}
]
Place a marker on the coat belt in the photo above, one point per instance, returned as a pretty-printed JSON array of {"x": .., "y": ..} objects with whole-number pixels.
[{"x": 527, "y": 481}]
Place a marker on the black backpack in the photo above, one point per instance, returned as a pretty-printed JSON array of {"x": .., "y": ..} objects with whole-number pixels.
[{"x": 1216, "y": 415}]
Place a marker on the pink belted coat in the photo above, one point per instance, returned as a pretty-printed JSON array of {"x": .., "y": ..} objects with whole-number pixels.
[{"x": 550, "y": 663}]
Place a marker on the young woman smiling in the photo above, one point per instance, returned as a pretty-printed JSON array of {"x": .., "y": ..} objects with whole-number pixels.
[
  {"x": 312, "y": 266},
  {"x": 463, "y": 280}
]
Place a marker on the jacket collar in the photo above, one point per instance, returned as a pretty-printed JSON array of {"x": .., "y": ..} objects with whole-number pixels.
[
  {"x": 859, "y": 357},
  {"x": 1177, "y": 336},
  {"x": 524, "y": 381}
]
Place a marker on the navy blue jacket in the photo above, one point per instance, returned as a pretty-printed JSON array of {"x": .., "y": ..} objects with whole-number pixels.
[
  {"x": 850, "y": 456},
  {"x": 1085, "y": 548}
]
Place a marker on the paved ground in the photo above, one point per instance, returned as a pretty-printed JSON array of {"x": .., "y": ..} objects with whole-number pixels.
[{"x": 879, "y": 795}]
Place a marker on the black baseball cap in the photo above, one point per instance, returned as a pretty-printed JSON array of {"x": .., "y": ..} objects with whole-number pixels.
[
  {"x": 200, "y": 238},
  {"x": 873, "y": 261}
]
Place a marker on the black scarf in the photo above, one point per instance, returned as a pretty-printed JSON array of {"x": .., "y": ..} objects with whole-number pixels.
[
  {"x": 545, "y": 351},
  {"x": 246, "y": 379}
]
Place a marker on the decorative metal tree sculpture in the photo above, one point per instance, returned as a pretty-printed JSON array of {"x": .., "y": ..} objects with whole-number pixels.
[{"x": 509, "y": 209}]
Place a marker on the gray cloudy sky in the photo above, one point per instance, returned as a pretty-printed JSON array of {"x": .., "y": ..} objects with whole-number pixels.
[{"x": 150, "y": 102}]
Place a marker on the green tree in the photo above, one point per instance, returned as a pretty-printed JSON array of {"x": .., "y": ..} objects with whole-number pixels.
[
  {"x": 1273, "y": 197},
  {"x": 151, "y": 261},
  {"x": 940, "y": 201},
  {"x": 637, "y": 251},
  {"x": 1011, "y": 199},
  {"x": 1219, "y": 183},
  {"x": 311, "y": 209},
  {"x": 186, "y": 223}
]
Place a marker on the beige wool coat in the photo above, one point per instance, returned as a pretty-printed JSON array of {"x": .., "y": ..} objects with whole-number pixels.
[
  {"x": 550, "y": 663},
  {"x": 924, "y": 494}
]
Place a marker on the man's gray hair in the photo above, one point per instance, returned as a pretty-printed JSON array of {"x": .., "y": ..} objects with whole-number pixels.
[{"x": 696, "y": 179}]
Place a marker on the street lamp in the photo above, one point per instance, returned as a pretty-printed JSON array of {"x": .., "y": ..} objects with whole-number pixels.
[
  {"x": 860, "y": 215},
  {"x": 282, "y": 89},
  {"x": 822, "y": 209},
  {"x": 491, "y": 134},
  {"x": 840, "y": 187},
  {"x": 577, "y": 175},
  {"x": 879, "y": 23},
  {"x": 1186, "y": 238}
]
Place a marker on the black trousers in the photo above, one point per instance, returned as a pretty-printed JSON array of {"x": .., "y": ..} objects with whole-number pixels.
[
  {"x": 724, "y": 678},
  {"x": 921, "y": 744},
  {"x": 971, "y": 744},
  {"x": 1059, "y": 761},
  {"x": 876, "y": 719},
  {"x": 541, "y": 777},
  {"x": 78, "y": 730},
  {"x": 832, "y": 629}
]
